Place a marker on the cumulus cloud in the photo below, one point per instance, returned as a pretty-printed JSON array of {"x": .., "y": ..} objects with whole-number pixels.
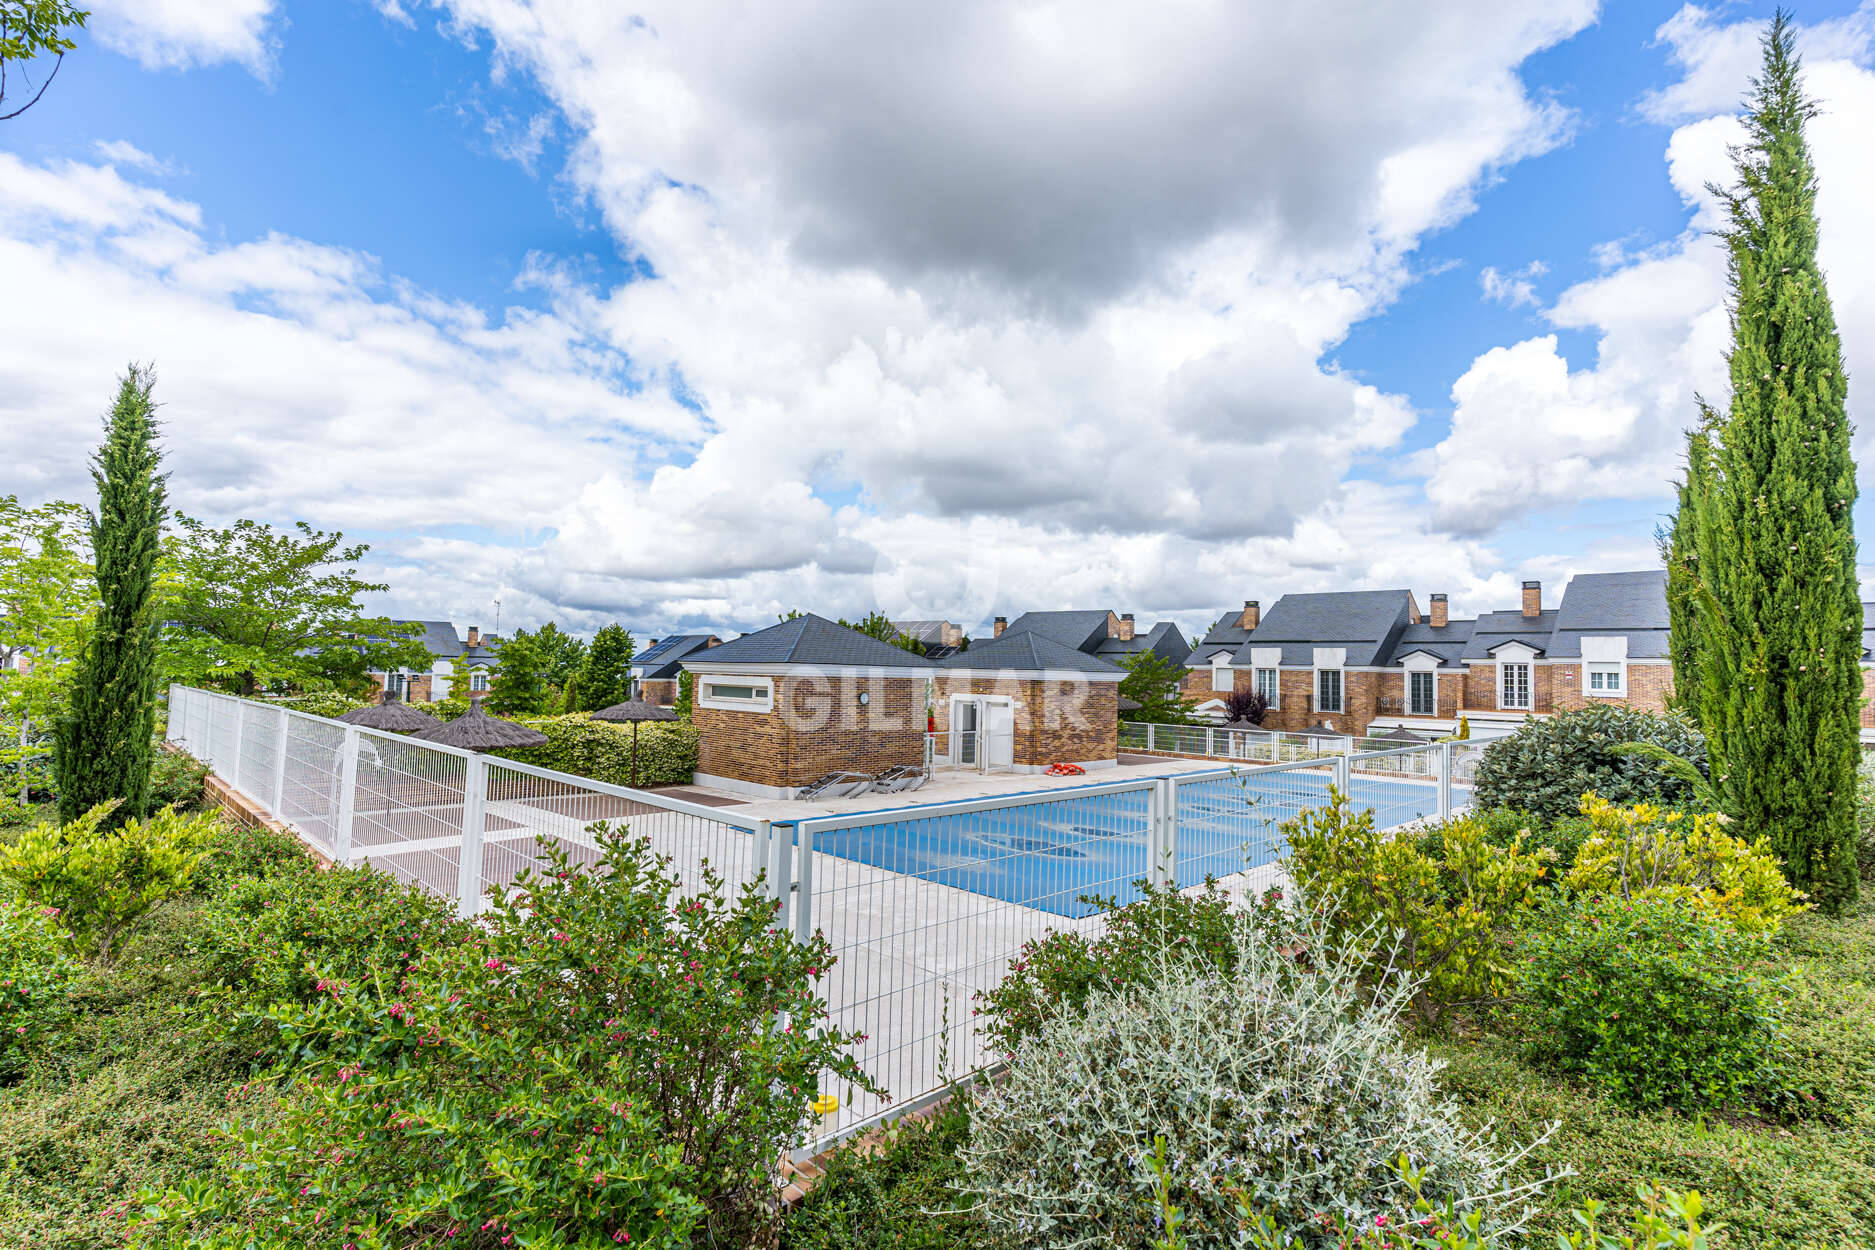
[
  {"x": 1530, "y": 432},
  {"x": 1514, "y": 289},
  {"x": 187, "y": 34}
]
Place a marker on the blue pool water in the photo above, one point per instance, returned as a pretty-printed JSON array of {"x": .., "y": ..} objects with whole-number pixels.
[{"x": 1053, "y": 855}]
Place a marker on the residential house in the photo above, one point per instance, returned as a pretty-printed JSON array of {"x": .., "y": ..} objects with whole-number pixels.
[
  {"x": 938, "y": 639},
  {"x": 1099, "y": 632},
  {"x": 1023, "y": 701},
  {"x": 655, "y": 670},
  {"x": 1359, "y": 662},
  {"x": 451, "y": 656}
]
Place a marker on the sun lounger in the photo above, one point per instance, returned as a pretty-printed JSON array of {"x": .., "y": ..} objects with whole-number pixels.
[
  {"x": 900, "y": 779},
  {"x": 835, "y": 785}
]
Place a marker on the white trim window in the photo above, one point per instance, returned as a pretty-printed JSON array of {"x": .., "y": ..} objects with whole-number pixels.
[
  {"x": 478, "y": 681},
  {"x": 736, "y": 694},
  {"x": 1222, "y": 679},
  {"x": 1422, "y": 692},
  {"x": 1328, "y": 691},
  {"x": 1608, "y": 681},
  {"x": 1513, "y": 688},
  {"x": 1268, "y": 683}
]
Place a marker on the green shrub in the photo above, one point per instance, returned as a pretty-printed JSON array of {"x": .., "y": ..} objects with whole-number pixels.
[
  {"x": 1549, "y": 764},
  {"x": 1645, "y": 852},
  {"x": 448, "y": 709},
  {"x": 1282, "y": 1083},
  {"x": 1437, "y": 899},
  {"x": 102, "y": 881},
  {"x": 1058, "y": 972},
  {"x": 176, "y": 780},
  {"x": 606, "y": 1060},
  {"x": 36, "y": 972},
  {"x": 895, "y": 1193},
  {"x": 286, "y": 937},
  {"x": 1825, "y": 1056},
  {"x": 667, "y": 751},
  {"x": 1654, "y": 1002},
  {"x": 330, "y": 704},
  {"x": 1865, "y": 817},
  {"x": 240, "y": 851},
  {"x": 1507, "y": 826}
]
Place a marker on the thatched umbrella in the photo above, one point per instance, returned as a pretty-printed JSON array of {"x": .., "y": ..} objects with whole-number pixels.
[
  {"x": 476, "y": 730},
  {"x": 634, "y": 712},
  {"x": 1399, "y": 734},
  {"x": 392, "y": 715},
  {"x": 1244, "y": 722}
]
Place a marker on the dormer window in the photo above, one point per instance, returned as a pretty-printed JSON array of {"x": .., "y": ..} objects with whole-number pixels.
[{"x": 1221, "y": 676}]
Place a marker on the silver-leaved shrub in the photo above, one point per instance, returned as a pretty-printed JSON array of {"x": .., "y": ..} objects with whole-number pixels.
[{"x": 1279, "y": 1085}]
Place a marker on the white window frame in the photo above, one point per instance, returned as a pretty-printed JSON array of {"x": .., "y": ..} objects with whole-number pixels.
[
  {"x": 1268, "y": 682},
  {"x": 1528, "y": 669},
  {"x": 1432, "y": 689},
  {"x": 764, "y": 688},
  {"x": 1222, "y": 679},
  {"x": 1616, "y": 688},
  {"x": 1341, "y": 692},
  {"x": 478, "y": 681}
]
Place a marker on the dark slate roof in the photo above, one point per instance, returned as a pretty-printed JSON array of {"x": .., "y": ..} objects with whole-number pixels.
[
  {"x": 440, "y": 638},
  {"x": 1083, "y": 630},
  {"x": 1447, "y": 642},
  {"x": 809, "y": 639},
  {"x": 1164, "y": 639},
  {"x": 664, "y": 659},
  {"x": 1494, "y": 629},
  {"x": 1028, "y": 651},
  {"x": 1366, "y": 622},
  {"x": 480, "y": 657},
  {"x": 1634, "y": 604}
]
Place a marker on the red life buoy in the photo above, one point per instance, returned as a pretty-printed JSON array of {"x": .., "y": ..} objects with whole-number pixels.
[{"x": 1064, "y": 770}]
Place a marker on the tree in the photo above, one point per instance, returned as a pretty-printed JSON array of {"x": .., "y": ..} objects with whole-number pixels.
[
  {"x": 520, "y": 686},
  {"x": 29, "y": 28},
  {"x": 606, "y": 678},
  {"x": 47, "y": 596},
  {"x": 1152, "y": 682},
  {"x": 561, "y": 652},
  {"x": 686, "y": 700},
  {"x": 1775, "y": 597},
  {"x": 1679, "y": 551},
  {"x": 102, "y": 747},
  {"x": 251, "y": 606},
  {"x": 1250, "y": 705},
  {"x": 878, "y": 625}
]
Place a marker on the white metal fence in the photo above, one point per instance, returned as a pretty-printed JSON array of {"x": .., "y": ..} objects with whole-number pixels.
[
  {"x": 925, "y": 906},
  {"x": 1254, "y": 746}
]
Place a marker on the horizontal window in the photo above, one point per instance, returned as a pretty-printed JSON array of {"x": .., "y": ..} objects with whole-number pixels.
[
  {"x": 753, "y": 694},
  {"x": 1607, "y": 679},
  {"x": 734, "y": 692}
]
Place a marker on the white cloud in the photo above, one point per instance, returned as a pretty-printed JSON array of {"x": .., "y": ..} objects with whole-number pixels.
[
  {"x": 1530, "y": 433},
  {"x": 123, "y": 152},
  {"x": 1513, "y": 289},
  {"x": 186, "y": 34}
]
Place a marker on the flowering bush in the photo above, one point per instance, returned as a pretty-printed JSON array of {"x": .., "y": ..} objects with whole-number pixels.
[
  {"x": 36, "y": 972},
  {"x": 278, "y": 938},
  {"x": 1549, "y": 764},
  {"x": 1645, "y": 852},
  {"x": 102, "y": 881},
  {"x": 176, "y": 780},
  {"x": 1281, "y": 1083},
  {"x": 1057, "y": 973},
  {"x": 603, "y": 1061},
  {"x": 1437, "y": 899},
  {"x": 1650, "y": 999}
]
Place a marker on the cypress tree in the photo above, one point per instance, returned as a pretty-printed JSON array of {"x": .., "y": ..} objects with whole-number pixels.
[
  {"x": 102, "y": 746},
  {"x": 605, "y": 677},
  {"x": 1679, "y": 551},
  {"x": 1778, "y": 631}
]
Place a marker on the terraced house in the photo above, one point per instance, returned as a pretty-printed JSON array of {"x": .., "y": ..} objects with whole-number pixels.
[{"x": 1367, "y": 661}]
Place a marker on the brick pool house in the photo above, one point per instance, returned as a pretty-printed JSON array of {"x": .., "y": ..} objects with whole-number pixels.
[
  {"x": 776, "y": 709},
  {"x": 1024, "y": 701}
]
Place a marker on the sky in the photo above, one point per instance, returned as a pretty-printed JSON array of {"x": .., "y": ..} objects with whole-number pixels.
[{"x": 687, "y": 314}]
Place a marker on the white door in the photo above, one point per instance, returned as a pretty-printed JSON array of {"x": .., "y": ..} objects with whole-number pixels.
[
  {"x": 964, "y": 721},
  {"x": 1000, "y": 729}
]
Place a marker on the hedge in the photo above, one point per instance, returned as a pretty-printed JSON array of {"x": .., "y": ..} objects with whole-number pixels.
[{"x": 667, "y": 750}]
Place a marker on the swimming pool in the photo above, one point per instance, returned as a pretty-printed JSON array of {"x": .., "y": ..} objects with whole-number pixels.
[{"x": 1054, "y": 853}]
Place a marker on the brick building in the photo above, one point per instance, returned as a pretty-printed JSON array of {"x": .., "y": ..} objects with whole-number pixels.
[
  {"x": 1023, "y": 701},
  {"x": 1360, "y": 662},
  {"x": 776, "y": 709},
  {"x": 656, "y": 669},
  {"x": 458, "y": 665},
  {"x": 1112, "y": 636}
]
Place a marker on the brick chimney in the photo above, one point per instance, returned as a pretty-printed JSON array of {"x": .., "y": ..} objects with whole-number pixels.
[
  {"x": 1002, "y": 623},
  {"x": 1251, "y": 614},
  {"x": 475, "y": 636},
  {"x": 1533, "y": 598},
  {"x": 1126, "y": 627},
  {"x": 1439, "y": 617}
]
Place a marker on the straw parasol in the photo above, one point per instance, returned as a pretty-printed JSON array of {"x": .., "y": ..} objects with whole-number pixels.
[
  {"x": 392, "y": 715},
  {"x": 1398, "y": 734},
  {"x": 634, "y": 712},
  {"x": 1243, "y": 722},
  {"x": 476, "y": 730}
]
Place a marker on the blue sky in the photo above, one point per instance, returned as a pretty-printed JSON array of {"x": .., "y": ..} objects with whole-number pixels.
[{"x": 643, "y": 321}]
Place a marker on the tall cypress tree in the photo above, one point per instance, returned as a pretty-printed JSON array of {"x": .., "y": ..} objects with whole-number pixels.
[
  {"x": 1778, "y": 634},
  {"x": 1679, "y": 551},
  {"x": 102, "y": 746}
]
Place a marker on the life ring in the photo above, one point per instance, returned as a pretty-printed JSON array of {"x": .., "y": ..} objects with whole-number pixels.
[{"x": 1064, "y": 770}]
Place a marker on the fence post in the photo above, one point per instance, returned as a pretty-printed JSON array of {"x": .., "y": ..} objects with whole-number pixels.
[
  {"x": 348, "y": 795},
  {"x": 1155, "y": 834},
  {"x": 469, "y": 876},
  {"x": 241, "y": 783},
  {"x": 1445, "y": 781},
  {"x": 803, "y": 891},
  {"x": 279, "y": 767},
  {"x": 1343, "y": 774},
  {"x": 1210, "y": 741},
  {"x": 1167, "y": 791},
  {"x": 1149, "y": 745}
]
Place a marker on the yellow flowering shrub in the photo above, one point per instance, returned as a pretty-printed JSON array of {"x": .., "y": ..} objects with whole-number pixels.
[{"x": 1650, "y": 852}]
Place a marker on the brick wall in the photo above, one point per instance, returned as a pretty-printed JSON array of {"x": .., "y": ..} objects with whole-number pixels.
[
  {"x": 663, "y": 693},
  {"x": 1649, "y": 687},
  {"x": 817, "y": 726},
  {"x": 1054, "y": 721}
]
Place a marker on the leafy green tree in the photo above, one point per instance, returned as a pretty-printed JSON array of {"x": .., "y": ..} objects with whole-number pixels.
[
  {"x": 686, "y": 699},
  {"x": 47, "y": 597},
  {"x": 519, "y": 686},
  {"x": 28, "y": 29},
  {"x": 1778, "y": 635},
  {"x": 878, "y": 625},
  {"x": 605, "y": 678},
  {"x": 1152, "y": 682},
  {"x": 102, "y": 746},
  {"x": 562, "y": 652},
  {"x": 250, "y": 607}
]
